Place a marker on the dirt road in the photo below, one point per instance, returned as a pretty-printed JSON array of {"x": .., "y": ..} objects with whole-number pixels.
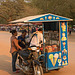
[{"x": 5, "y": 57}]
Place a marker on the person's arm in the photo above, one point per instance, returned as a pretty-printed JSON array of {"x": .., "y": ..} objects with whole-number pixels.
[
  {"x": 16, "y": 44},
  {"x": 41, "y": 38}
]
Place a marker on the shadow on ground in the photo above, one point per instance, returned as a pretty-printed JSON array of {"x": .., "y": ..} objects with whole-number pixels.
[{"x": 5, "y": 65}]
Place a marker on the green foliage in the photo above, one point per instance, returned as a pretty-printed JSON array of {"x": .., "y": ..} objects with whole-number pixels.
[
  {"x": 60, "y": 7},
  {"x": 11, "y": 10},
  {"x": 15, "y": 9}
]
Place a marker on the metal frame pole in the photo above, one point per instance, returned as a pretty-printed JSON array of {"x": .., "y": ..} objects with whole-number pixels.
[{"x": 43, "y": 38}]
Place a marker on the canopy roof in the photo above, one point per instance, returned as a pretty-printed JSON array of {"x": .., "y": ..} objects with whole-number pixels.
[{"x": 42, "y": 18}]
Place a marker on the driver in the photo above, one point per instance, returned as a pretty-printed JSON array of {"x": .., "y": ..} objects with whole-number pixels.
[{"x": 37, "y": 40}]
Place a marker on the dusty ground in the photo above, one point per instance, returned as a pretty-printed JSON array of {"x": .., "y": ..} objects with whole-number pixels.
[{"x": 5, "y": 57}]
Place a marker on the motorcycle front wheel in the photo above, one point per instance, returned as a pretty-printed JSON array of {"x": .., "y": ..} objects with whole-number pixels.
[{"x": 38, "y": 70}]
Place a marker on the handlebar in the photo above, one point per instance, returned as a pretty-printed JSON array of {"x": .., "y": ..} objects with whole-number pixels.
[
  {"x": 31, "y": 49},
  {"x": 24, "y": 49}
]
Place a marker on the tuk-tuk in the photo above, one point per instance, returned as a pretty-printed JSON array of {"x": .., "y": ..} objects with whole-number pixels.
[{"x": 55, "y": 30}]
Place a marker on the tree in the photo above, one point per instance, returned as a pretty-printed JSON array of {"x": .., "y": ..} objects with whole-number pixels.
[
  {"x": 15, "y": 9},
  {"x": 59, "y": 7},
  {"x": 11, "y": 10}
]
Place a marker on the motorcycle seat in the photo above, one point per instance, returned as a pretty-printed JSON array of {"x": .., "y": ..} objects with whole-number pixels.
[{"x": 24, "y": 54}]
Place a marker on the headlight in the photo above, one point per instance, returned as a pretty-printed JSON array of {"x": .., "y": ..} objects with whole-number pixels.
[{"x": 33, "y": 48}]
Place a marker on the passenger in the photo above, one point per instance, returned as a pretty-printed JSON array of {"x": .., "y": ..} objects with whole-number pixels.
[
  {"x": 23, "y": 44},
  {"x": 22, "y": 38},
  {"x": 33, "y": 29},
  {"x": 14, "y": 50}
]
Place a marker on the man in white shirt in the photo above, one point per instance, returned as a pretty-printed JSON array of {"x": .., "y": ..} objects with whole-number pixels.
[{"x": 37, "y": 38}]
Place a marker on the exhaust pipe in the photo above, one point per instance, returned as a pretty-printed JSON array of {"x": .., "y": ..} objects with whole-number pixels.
[{"x": 20, "y": 68}]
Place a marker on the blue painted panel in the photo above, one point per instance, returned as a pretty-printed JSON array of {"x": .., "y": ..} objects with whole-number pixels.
[
  {"x": 64, "y": 44},
  {"x": 52, "y": 59},
  {"x": 49, "y": 17}
]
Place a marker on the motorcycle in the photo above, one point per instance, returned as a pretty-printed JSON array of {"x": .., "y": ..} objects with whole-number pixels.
[{"x": 28, "y": 61}]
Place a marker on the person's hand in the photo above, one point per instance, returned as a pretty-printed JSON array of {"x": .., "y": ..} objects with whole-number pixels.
[
  {"x": 20, "y": 48},
  {"x": 42, "y": 45},
  {"x": 19, "y": 40}
]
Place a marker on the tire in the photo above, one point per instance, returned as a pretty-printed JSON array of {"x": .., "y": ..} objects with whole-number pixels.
[
  {"x": 41, "y": 69},
  {"x": 20, "y": 61},
  {"x": 38, "y": 70}
]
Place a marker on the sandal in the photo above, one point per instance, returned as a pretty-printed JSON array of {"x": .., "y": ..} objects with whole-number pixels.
[{"x": 16, "y": 71}]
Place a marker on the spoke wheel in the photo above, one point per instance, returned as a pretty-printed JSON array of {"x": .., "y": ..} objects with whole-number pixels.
[{"x": 38, "y": 70}]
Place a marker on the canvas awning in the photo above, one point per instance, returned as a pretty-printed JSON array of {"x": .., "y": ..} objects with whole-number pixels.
[{"x": 42, "y": 18}]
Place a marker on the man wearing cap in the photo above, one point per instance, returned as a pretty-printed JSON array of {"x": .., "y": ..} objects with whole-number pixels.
[
  {"x": 37, "y": 38},
  {"x": 22, "y": 38}
]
